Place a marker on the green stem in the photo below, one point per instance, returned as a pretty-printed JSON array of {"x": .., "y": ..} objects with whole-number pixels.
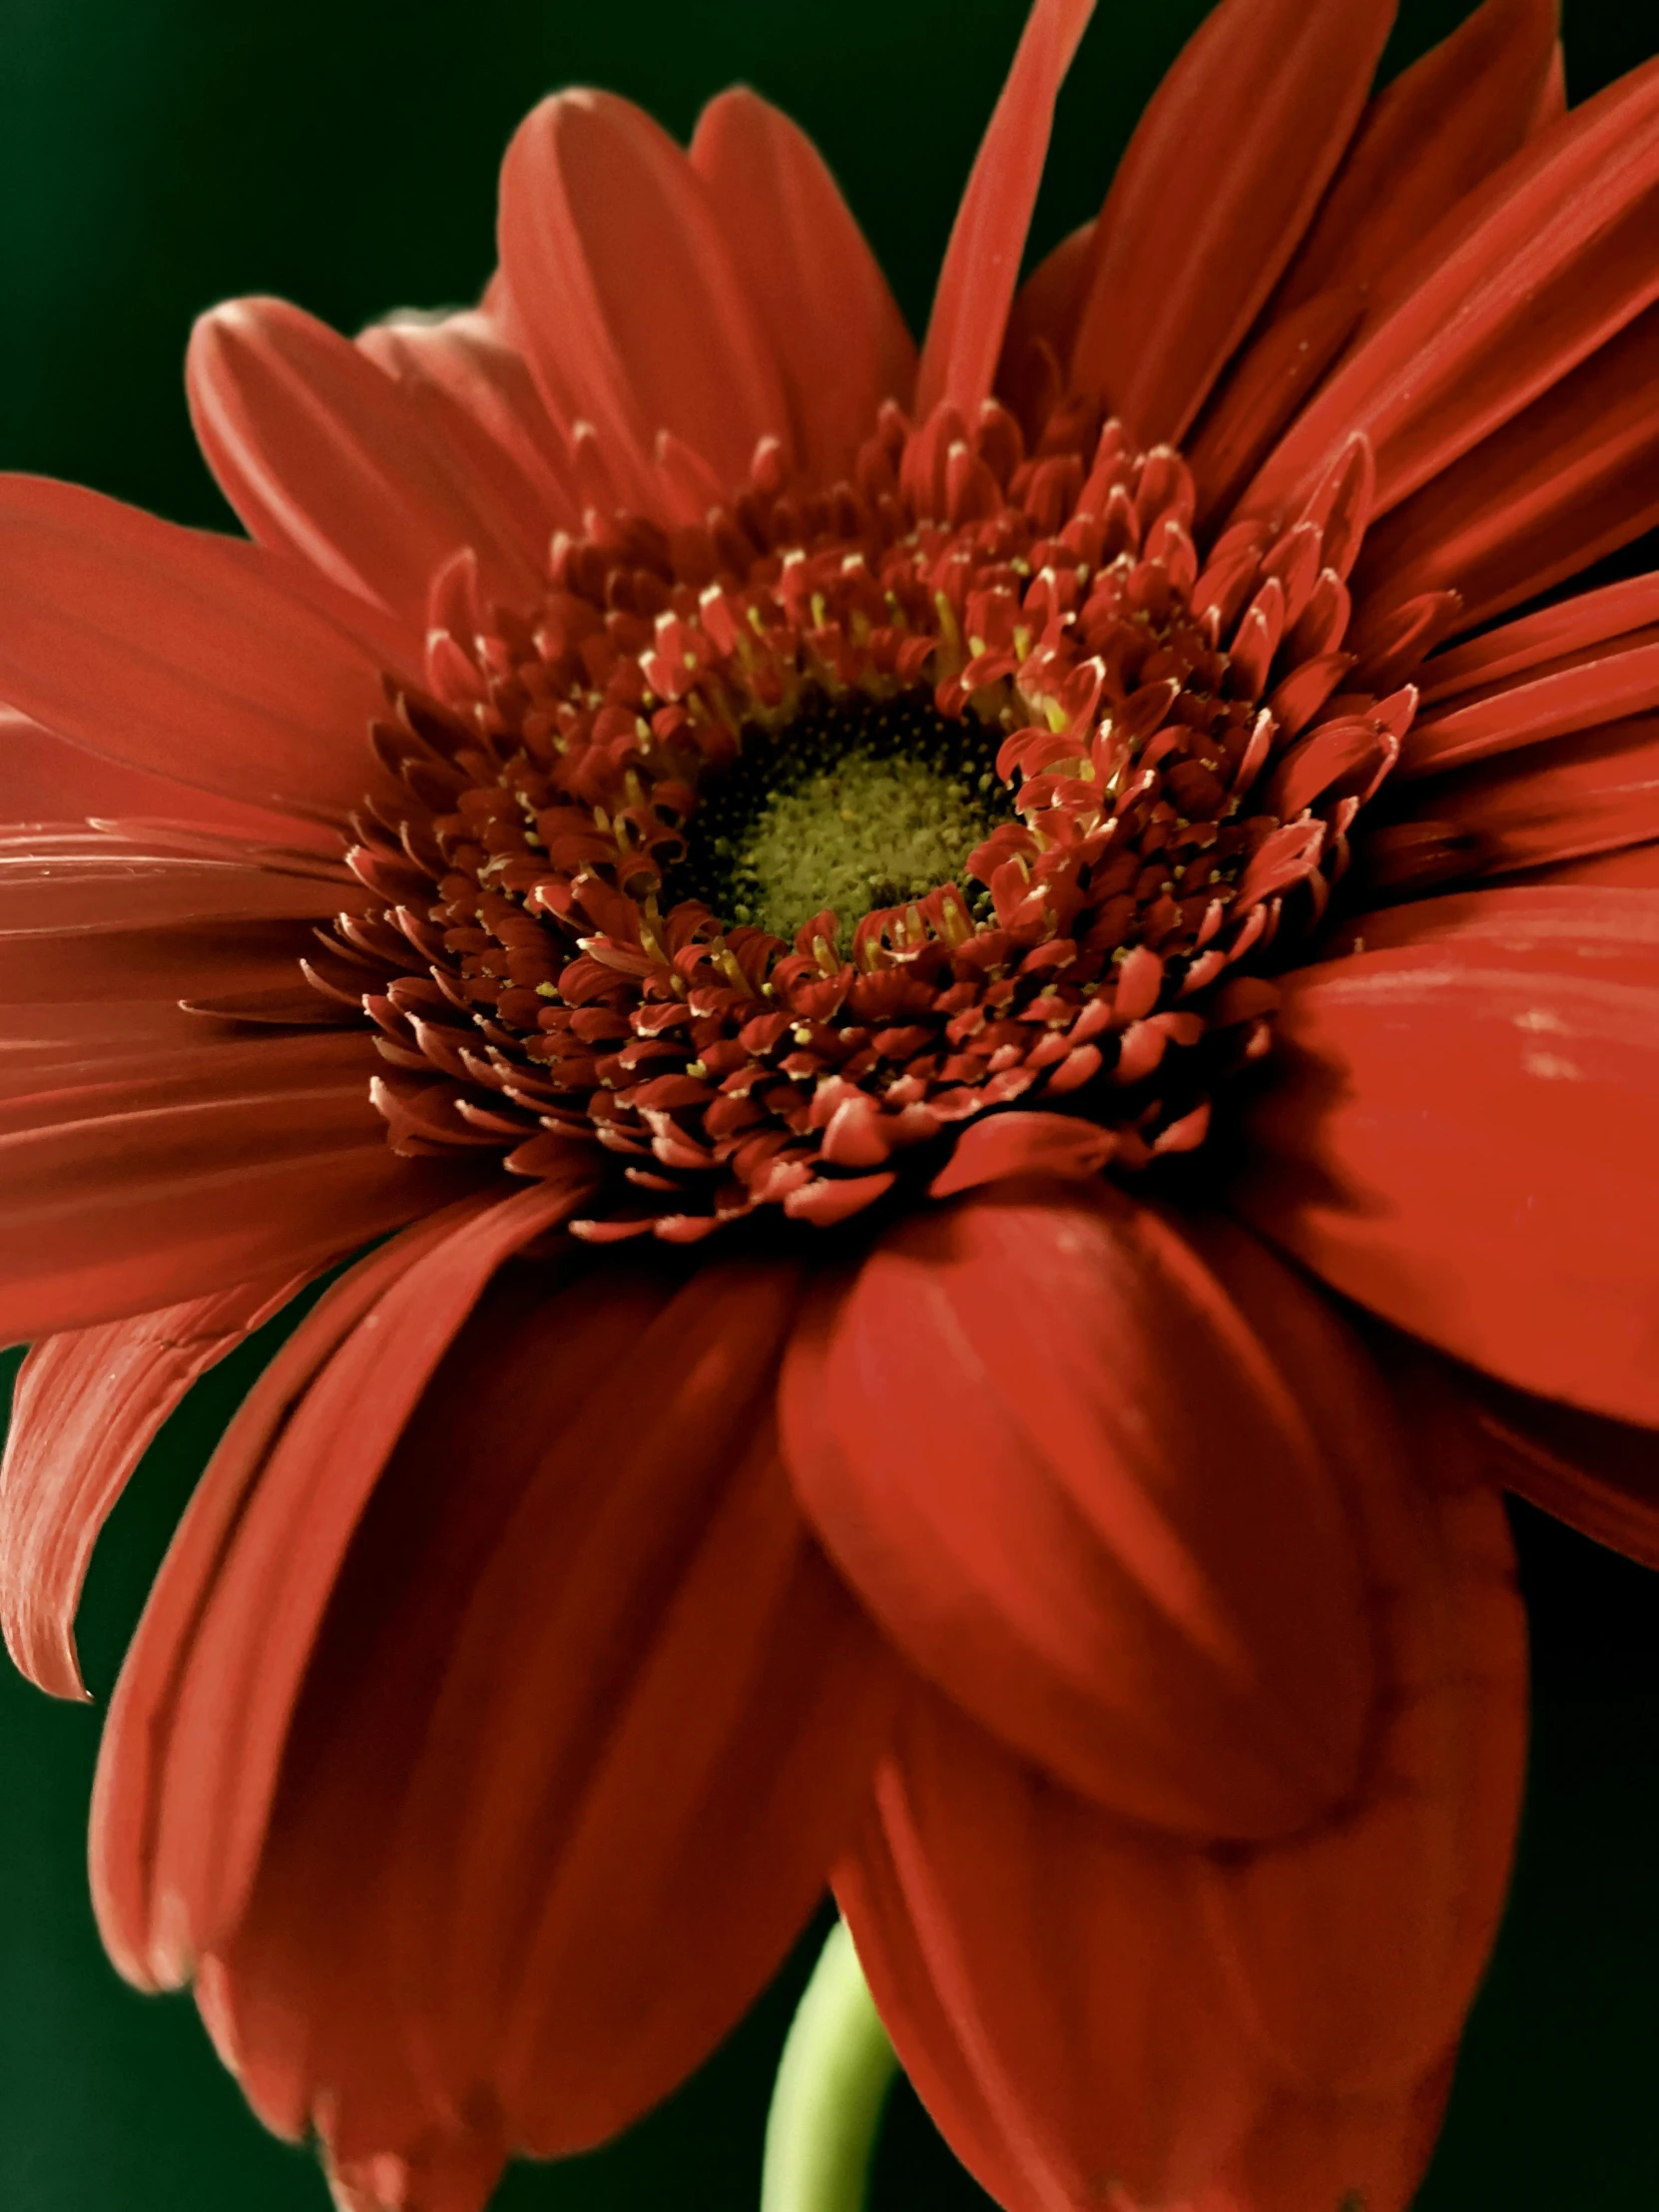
[{"x": 833, "y": 2081}]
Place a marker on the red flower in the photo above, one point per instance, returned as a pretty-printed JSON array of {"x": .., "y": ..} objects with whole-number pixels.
[{"x": 1028, "y": 863}]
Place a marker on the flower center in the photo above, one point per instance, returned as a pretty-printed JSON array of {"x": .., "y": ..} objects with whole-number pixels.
[
  {"x": 772, "y": 858},
  {"x": 857, "y": 804}
]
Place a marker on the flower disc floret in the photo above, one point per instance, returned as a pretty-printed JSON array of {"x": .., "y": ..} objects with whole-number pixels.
[{"x": 773, "y": 853}]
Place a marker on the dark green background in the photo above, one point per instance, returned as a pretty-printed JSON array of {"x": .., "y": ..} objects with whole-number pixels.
[{"x": 157, "y": 155}]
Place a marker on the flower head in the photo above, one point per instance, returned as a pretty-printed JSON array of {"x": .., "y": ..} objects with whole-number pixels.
[{"x": 872, "y": 932}]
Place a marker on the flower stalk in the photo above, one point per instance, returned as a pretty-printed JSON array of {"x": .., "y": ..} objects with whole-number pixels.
[{"x": 832, "y": 2082}]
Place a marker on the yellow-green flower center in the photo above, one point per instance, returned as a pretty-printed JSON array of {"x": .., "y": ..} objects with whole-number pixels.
[{"x": 857, "y": 804}]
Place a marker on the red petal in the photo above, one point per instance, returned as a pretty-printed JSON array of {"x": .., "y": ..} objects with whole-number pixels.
[
  {"x": 311, "y": 2000},
  {"x": 1600, "y": 1476},
  {"x": 1570, "y": 626},
  {"x": 1575, "y": 795},
  {"x": 1041, "y": 324},
  {"x": 1414, "y": 1873},
  {"x": 84, "y": 882},
  {"x": 86, "y": 1409},
  {"x": 981, "y": 263},
  {"x": 464, "y": 364},
  {"x": 632, "y": 313},
  {"x": 202, "y": 1710},
  {"x": 1432, "y": 136},
  {"x": 1310, "y": 2154},
  {"x": 1520, "y": 284},
  {"x": 1075, "y": 2001},
  {"x": 1067, "y": 1961},
  {"x": 1461, "y": 1135},
  {"x": 180, "y": 654},
  {"x": 322, "y": 455},
  {"x": 1574, "y": 692},
  {"x": 1222, "y": 175},
  {"x": 839, "y": 338},
  {"x": 46, "y": 779},
  {"x": 126, "y": 1191},
  {"x": 1271, "y": 380},
  {"x": 1007, "y": 1430},
  {"x": 1020, "y": 1143},
  {"x": 654, "y": 1710},
  {"x": 1571, "y": 478}
]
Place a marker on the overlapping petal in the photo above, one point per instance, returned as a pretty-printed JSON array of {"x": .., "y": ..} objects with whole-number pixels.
[
  {"x": 981, "y": 263},
  {"x": 620, "y": 282},
  {"x": 324, "y": 457},
  {"x": 181, "y": 653},
  {"x": 1224, "y": 172},
  {"x": 1008, "y": 1430},
  {"x": 1521, "y": 281},
  {"x": 1083, "y": 2008},
  {"x": 834, "y": 328},
  {"x": 1457, "y": 1133}
]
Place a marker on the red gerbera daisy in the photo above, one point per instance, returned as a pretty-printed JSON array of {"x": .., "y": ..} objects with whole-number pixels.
[{"x": 869, "y": 934}]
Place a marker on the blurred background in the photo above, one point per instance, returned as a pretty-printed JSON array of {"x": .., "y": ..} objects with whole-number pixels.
[{"x": 158, "y": 154}]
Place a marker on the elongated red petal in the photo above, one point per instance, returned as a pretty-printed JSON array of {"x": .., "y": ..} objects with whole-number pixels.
[
  {"x": 181, "y": 654},
  {"x": 1527, "y": 280},
  {"x": 1432, "y": 136},
  {"x": 1067, "y": 1959},
  {"x": 838, "y": 338},
  {"x": 1590, "y": 618},
  {"x": 86, "y": 1409},
  {"x": 310, "y": 1998},
  {"x": 1004, "y": 1430},
  {"x": 1414, "y": 1873},
  {"x": 1075, "y": 2000},
  {"x": 202, "y": 1710},
  {"x": 46, "y": 779},
  {"x": 596, "y": 1885},
  {"x": 322, "y": 455},
  {"x": 1224, "y": 172},
  {"x": 84, "y": 883},
  {"x": 126, "y": 1192},
  {"x": 1458, "y": 1134},
  {"x": 464, "y": 365},
  {"x": 1600, "y": 1476},
  {"x": 1566, "y": 799},
  {"x": 1574, "y": 476},
  {"x": 632, "y": 312},
  {"x": 981, "y": 263},
  {"x": 1604, "y": 683}
]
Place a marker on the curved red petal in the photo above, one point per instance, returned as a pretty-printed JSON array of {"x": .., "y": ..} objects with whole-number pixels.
[
  {"x": 201, "y": 1714},
  {"x": 1570, "y": 626},
  {"x": 322, "y": 457},
  {"x": 1520, "y": 284},
  {"x": 46, "y": 779},
  {"x": 85, "y": 1409},
  {"x": 127, "y": 1190},
  {"x": 463, "y": 366},
  {"x": 1573, "y": 476},
  {"x": 1458, "y": 1134},
  {"x": 1066, "y": 1960},
  {"x": 1432, "y": 136},
  {"x": 1221, "y": 178},
  {"x": 1575, "y": 691},
  {"x": 1077, "y": 2001},
  {"x": 838, "y": 338},
  {"x": 631, "y": 309},
  {"x": 181, "y": 654},
  {"x": 1009, "y": 1428},
  {"x": 1562, "y": 800},
  {"x": 981, "y": 263},
  {"x": 1600, "y": 1476},
  {"x": 684, "y": 1710}
]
